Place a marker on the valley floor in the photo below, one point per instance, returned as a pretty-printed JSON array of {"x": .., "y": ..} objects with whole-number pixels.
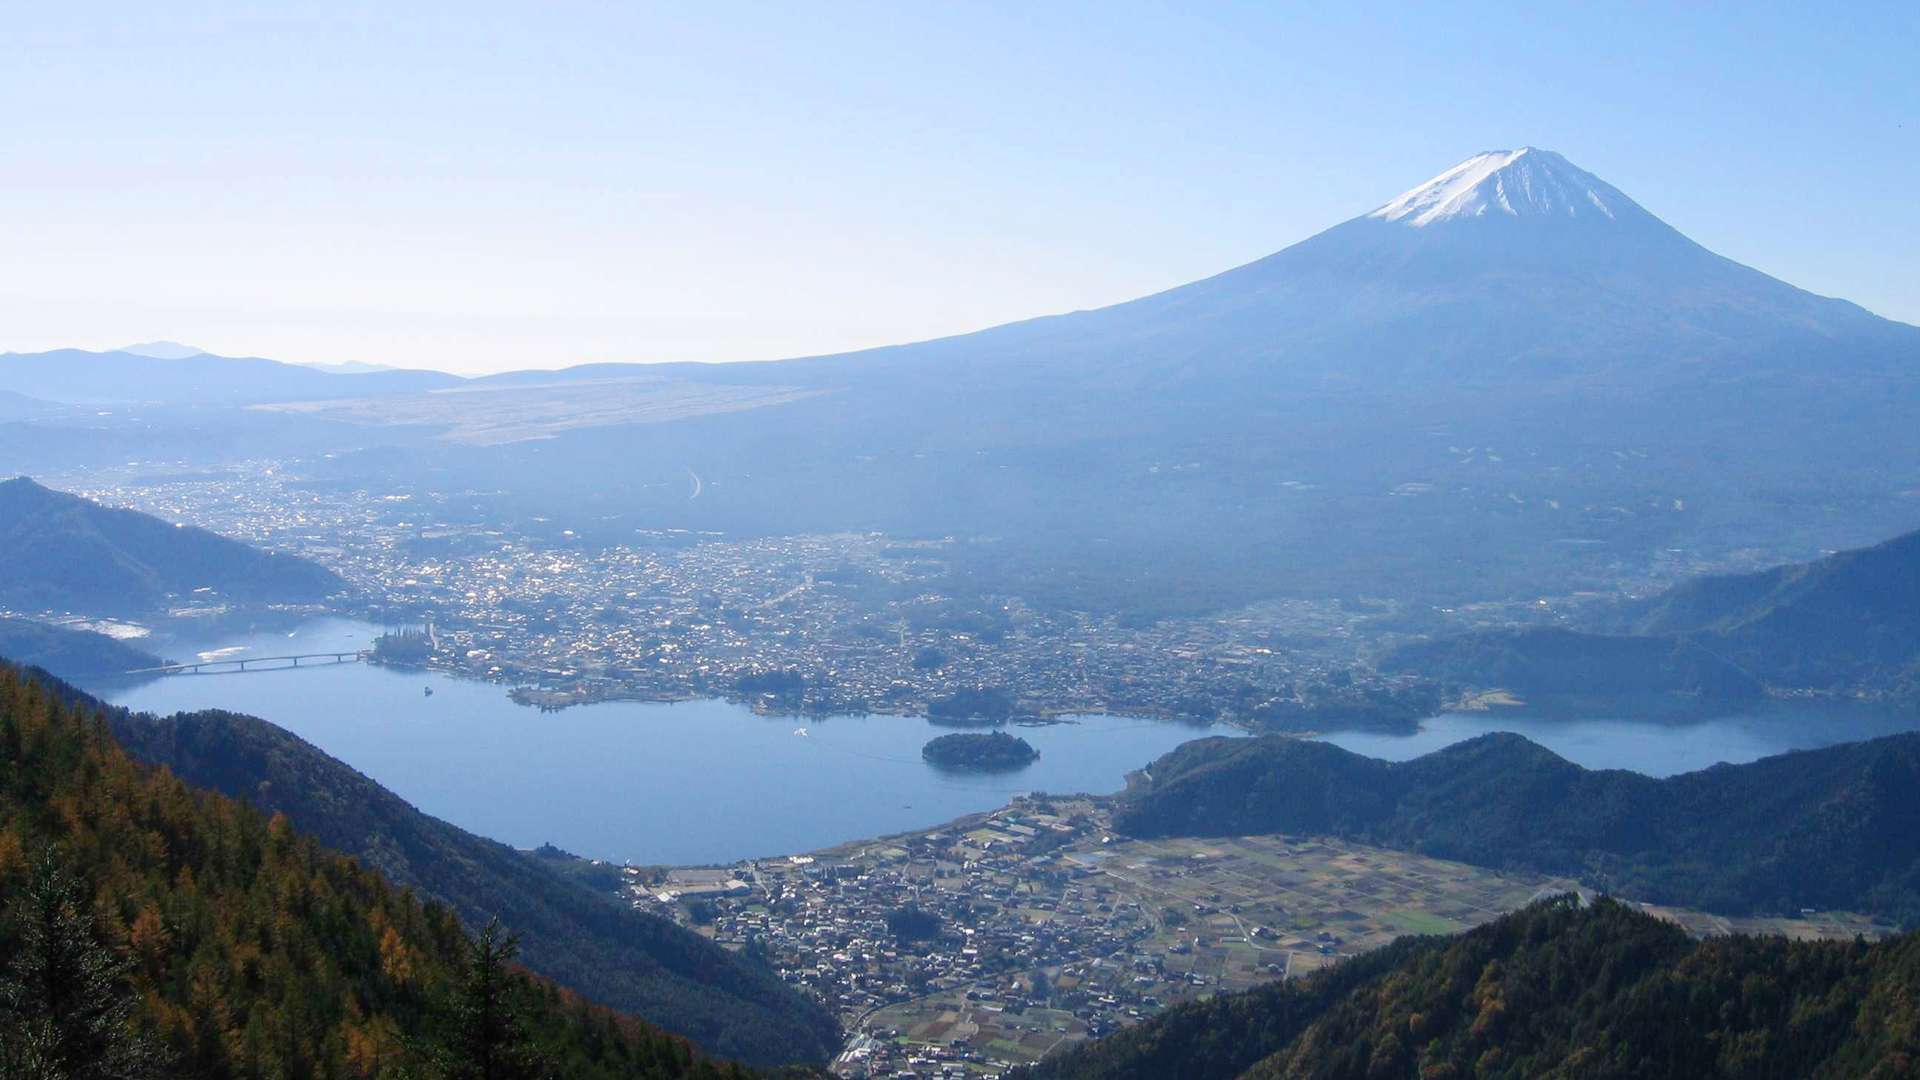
[{"x": 1053, "y": 930}]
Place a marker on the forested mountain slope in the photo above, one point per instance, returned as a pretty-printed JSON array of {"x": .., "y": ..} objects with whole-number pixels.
[
  {"x": 1554, "y": 990},
  {"x": 153, "y": 929},
  {"x": 1850, "y": 619},
  {"x": 1844, "y": 624},
  {"x": 635, "y": 962},
  {"x": 78, "y": 653},
  {"x": 1831, "y": 828},
  {"x": 62, "y": 552},
  {"x": 1557, "y": 667}
]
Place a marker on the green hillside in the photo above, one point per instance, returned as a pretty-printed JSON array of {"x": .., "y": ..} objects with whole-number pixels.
[
  {"x": 1556, "y": 667},
  {"x": 1851, "y": 619},
  {"x": 1836, "y": 828},
  {"x": 1846, "y": 624},
  {"x": 1555, "y": 990}
]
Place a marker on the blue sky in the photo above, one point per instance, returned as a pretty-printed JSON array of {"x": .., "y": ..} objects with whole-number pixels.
[{"x": 483, "y": 186}]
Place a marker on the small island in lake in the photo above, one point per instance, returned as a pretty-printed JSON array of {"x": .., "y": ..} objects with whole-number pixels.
[{"x": 983, "y": 753}]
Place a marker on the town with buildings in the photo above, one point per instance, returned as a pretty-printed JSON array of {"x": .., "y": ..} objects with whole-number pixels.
[{"x": 815, "y": 624}]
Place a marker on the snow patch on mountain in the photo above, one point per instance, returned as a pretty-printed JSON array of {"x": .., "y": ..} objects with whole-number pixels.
[{"x": 1527, "y": 182}]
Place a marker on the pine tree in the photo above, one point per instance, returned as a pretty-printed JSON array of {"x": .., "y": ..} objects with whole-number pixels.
[
  {"x": 65, "y": 1008},
  {"x": 489, "y": 1040}
]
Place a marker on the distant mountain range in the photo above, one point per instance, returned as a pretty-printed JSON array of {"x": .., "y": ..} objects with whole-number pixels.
[
  {"x": 1831, "y": 828},
  {"x": 162, "y": 350},
  {"x": 1845, "y": 624},
  {"x": 173, "y": 350},
  {"x": 180, "y": 377},
  {"x": 1554, "y": 990},
  {"x": 62, "y": 552}
]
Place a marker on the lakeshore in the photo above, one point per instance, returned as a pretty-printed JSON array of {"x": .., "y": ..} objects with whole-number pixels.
[{"x": 688, "y": 782}]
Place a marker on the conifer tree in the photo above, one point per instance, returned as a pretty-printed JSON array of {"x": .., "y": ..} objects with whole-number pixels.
[
  {"x": 65, "y": 1008},
  {"x": 489, "y": 1040}
]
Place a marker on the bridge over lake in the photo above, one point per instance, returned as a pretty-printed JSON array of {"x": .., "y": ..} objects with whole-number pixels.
[{"x": 234, "y": 665}]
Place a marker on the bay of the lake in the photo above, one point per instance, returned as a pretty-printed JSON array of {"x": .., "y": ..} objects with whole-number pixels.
[
  {"x": 1653, "y": 747},
  {"x": 686, "y": 782}
]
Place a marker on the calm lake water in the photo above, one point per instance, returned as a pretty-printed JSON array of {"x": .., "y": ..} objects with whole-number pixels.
[
  {"x": 1657, "y": 748},
  {"x": 708, "y": 781},
  {"x": 690, "y": 782}
]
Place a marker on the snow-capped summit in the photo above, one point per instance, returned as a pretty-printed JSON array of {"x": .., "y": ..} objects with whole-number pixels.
[{"x": 1527, "y": 182}]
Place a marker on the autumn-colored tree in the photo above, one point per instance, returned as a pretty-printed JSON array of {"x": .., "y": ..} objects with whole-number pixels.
[
  {"x": 150, "y": 940},
  {"x": 178, "y": 921}
]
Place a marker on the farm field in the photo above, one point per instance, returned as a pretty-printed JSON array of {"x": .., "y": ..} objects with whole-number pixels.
[{"x": 1042, "y": 927}]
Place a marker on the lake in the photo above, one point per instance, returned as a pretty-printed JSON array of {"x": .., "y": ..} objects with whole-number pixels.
[
  {"x": 688, "y": 782},
  {"x": 1653, "y": 747},
  {"x": 710, "y": 781}
]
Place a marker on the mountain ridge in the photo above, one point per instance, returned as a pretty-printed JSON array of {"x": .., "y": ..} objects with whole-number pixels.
[
  {"x": 81, "y": 377},
  {"x": 1846, "y": 624},
  {"x": 1828, "y": 828},
  {"x": 161, "y": 350},
  {"x": 1560, "y": 989}
]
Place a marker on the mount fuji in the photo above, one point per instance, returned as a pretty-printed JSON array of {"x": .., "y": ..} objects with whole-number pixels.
[
  {"x": 1518, "y": 183},
  {"x": 1511, "y": 379},
  {"x": 1510, "y": 265}
]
